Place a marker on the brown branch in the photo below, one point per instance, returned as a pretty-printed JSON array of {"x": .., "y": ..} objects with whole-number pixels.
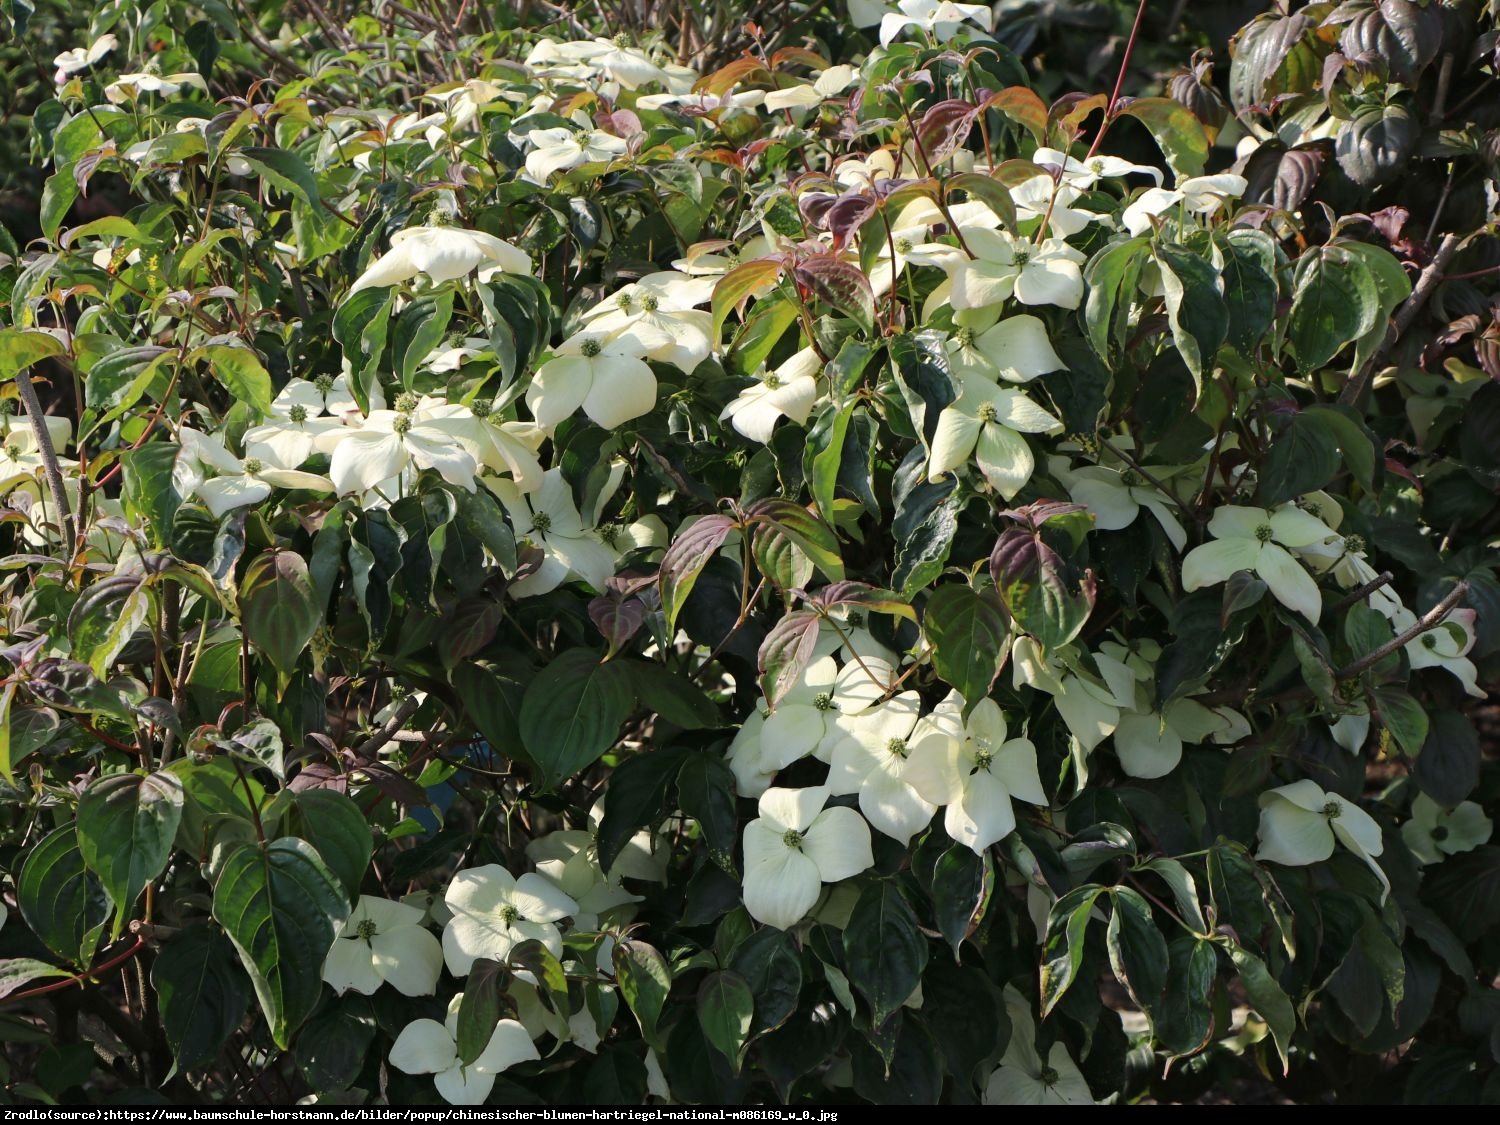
[
  {"x": 1426, "y": 623},
  {"x": 404, "y": 711},
  {"x": 1354, "y": 391},
  {"x": 50, "y": 467},
  {"x": 137, "y": 945},
  {"x": 1363, "y": 592}
]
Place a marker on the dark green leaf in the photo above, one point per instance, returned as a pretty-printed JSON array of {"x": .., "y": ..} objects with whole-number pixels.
[
  {"x": 706, "y": 791},
  {"x": 1266, "y": 997},
  {"x": 282, "y": 908},
  {"x": 726, "y": 1009},
  {"x": 1195, "y": 308},
  {"x": 126, "y": 825},
  {"x": 1137, "y": 951},
  {"x": 969, "y": 638},
  {"x": 480, "y": 1009},
  {"x": 1062, "y": 944},
  {"x": 769, "y": 963},
  {"x": 644, "y": 981},
  {"x": 571, "y": 713},
  {"x": 63, "y": 902},
  {"x": 279, "y": 607},
  {"x": 885, "y": 950},
  {"x": 201, "y": 991}
]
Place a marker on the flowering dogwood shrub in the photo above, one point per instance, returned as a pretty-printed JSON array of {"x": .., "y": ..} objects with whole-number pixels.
[{"x": 827, "y": 578}]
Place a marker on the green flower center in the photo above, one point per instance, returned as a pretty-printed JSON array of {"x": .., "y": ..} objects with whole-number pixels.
[
  {"x": 988, "y": 413},
  {"x": 12, "y": 453},
  {"x": 792, "y": 838},
  {"x": 983, "y": 759},
  {"x": 1020, "y": 258},
  {"x": 1048, "y": 1076},
  {"x": 649, "y": 303},
  {"x": 542, "y": 522},
  {"x": 897, "y": 746},
  {"x": 856, "y": 620},
  {"x": 406, "y": 402},
  {"x": 772, "y": 380},
  {"x": 623, "y": 301},
  {"x": 509, "y": 914},
  {"x": 823, "y": 701},
  {"x": 609, "y": 533},
  {"x": 1333, "y": 810},
  {"x": 324, "y": 383},
  {"x": 402, "y": 424},
  {"x": 1439, "y": 834},
  {"x": 1265, "y": 533},
  {"x": 253, "y": 465},
  {"x": 903, "y": 246},
  {"x": 621, "y": 40},
  {"x": 298, "y": 414},
  {"x": 590, "y": 348},
  {"x": 1354, "y": 544},
  {"x": 365, "y": 930},
  {"x": 1130, "y": 478},
  {"x": 964, "y": 337},
  {"x": 1429, "y": 641},
  {"x": 481, "y": 408}
]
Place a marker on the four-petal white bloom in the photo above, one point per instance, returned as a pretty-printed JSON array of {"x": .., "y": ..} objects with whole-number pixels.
[
  {"x": 392, "y": 441},
  {"x": 493, "y": 911},
  {"x": 1257, "y": 539},
  {"x": 1200, "y": 195},
  {"x": 549, "y": 520},
  {"x": 442, "y": 254},
  {"x": 384, "y": 942},
  {"x": 974, "y": 769},
  {"x": 987, "y": 422},
  {"x": 1434, "y": 832},
  {"x": 790, "y": 391},
  {"x": 605, "y": 377},
  {"x": 794, "y": 847},
  {"x": 428, "y": 1047},
  {"x": 1299, "y": 824},
  {"x": 939, "y": 18},
  {"x": 1047, "y": 274},
  {"x": 1023, "y": 1078},
  {"x": 239, "y": 483}
]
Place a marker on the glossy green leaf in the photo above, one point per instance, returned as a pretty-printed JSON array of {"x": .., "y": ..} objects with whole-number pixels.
[
  {"x": 644, "y": 981},
  {"x": 63, "y": 902},
  {"x": 1063, "y": 940},
  {"x": 969, "y": 637},
  {"x": 726, "y": 1009},
  {"x": 282, "y": 908},
  {"x": 884, "y": 948},
  {"x": 571, "y": 713},
  {"x": 201, "y": 991},
  {"x": 279, "y": 607},
  {"x": 126, "y": 826}
]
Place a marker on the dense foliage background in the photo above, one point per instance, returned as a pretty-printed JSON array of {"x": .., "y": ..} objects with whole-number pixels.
[{"x": 814, "y": 554}]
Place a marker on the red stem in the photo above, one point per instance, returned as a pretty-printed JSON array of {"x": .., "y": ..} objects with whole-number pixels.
[
  {"x": 1114, "y": 98},
  {"x": 100, "y": 970}
]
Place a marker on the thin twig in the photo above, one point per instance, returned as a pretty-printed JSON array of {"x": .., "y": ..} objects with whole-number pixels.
[
  {"x": 1427, "y": 622},
  {"x": 1363, "y": 592},
  {"x": 1431, "y": 278},
  {"x": 404, "y": 711},
  {"x": 137, "y": 944},
  {"x": 50, "y": 467}
]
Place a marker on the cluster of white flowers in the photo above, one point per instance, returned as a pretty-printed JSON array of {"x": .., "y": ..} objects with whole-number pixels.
[{"x": 485, "y": 912}]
